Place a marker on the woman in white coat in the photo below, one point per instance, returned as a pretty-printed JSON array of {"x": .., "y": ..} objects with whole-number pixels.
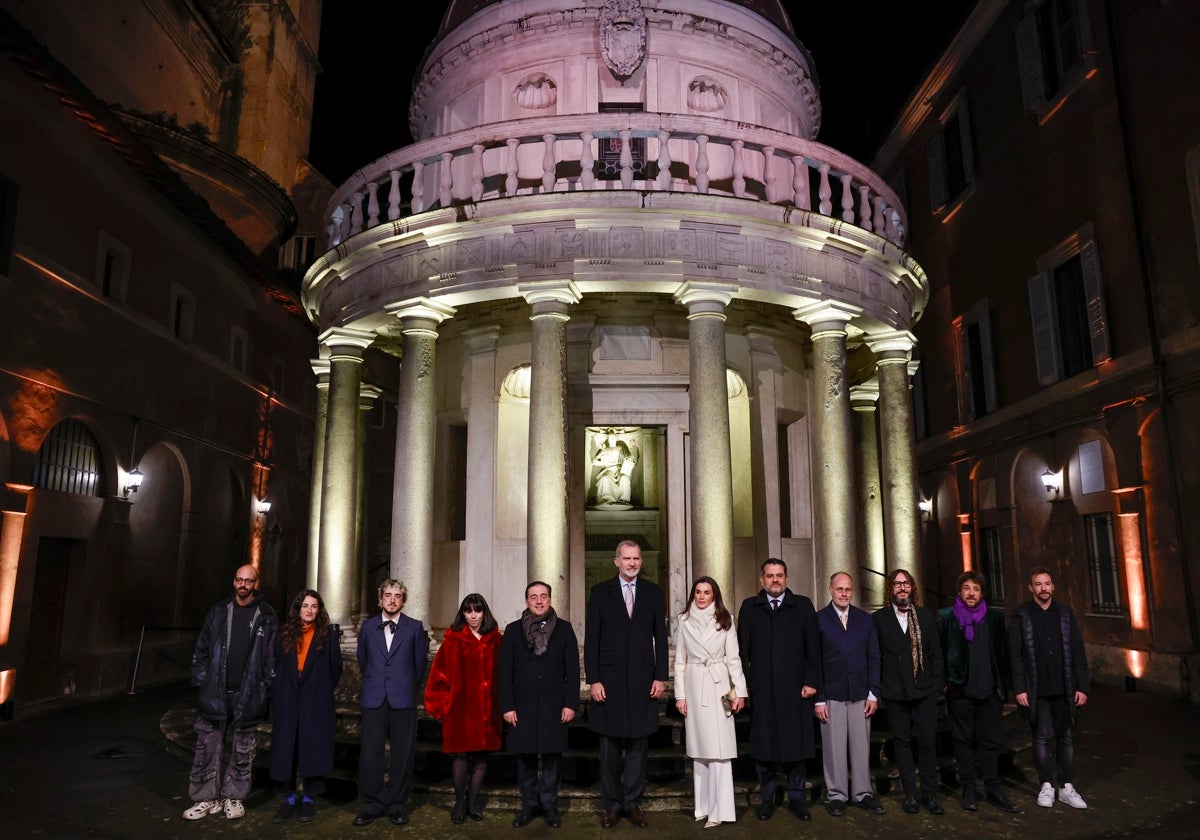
[{"x": 707, "y": 665}]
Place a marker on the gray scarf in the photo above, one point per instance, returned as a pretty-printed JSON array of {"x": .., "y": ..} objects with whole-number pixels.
[{"x": 537, "y": 630}]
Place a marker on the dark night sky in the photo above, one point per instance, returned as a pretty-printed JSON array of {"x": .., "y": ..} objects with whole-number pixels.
[{"x": 869, "y": 57}]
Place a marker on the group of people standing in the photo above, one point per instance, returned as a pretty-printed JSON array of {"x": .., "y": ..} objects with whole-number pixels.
[{"x": 794, "y": 664}]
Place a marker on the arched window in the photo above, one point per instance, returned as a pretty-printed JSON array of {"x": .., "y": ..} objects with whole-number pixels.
[{"x": 69, "y": 461}]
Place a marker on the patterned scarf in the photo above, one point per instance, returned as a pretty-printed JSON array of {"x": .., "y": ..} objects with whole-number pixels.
[
  {"x": 914, "y": 636},
  {"x": 537, "y": 630},
  {"x": 967, "y": 618}
]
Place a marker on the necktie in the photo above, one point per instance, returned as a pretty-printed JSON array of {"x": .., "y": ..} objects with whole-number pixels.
[
  {"x": 774, "y": 604},
  {"x": 845, "y": 619},
  {"x": 629, "y": 599}
]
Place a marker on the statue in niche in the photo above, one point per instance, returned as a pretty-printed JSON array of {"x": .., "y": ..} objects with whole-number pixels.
[
  {"x": 613, "y": 464},
  {"x": 623, "y": 36}
]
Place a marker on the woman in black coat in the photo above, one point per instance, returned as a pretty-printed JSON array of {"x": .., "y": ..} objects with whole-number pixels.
[{"x": 308, "y": 665}]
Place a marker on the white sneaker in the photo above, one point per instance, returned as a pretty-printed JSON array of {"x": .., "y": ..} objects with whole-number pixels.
[
  {"x": 200, "y": 810},
  {"x": 234, "y": 809},
  {"x": 1046, "y": 795},
  {"x": 1071, "y": 796}
]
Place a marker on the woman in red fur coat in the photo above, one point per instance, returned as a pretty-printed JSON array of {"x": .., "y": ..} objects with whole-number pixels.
[{"x": 461, "y": 693}]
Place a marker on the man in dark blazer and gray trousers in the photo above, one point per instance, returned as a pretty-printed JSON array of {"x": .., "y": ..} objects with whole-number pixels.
[
  {"x": 393, "y": 653},
  {"x": 848, "y": 698},
  {"x": 625, "y": 660},
  {"x": 910, "y": 680}
]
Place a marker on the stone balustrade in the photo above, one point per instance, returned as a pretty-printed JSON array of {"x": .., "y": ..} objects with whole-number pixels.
[{"x": 626, "y": 150}]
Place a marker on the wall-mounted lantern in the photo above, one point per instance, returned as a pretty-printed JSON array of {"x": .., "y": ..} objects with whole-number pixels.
[{"x": 1053, "y": 483}]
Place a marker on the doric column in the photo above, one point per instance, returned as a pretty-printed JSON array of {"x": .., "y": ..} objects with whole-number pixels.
[
  {"x": 339, "y": 482},
  {"x": 416, "y": 416},
  {"x": 709, "y": 479},
  {"x": 901, "y": 516},
  {"x": 367, "y": 395},
  {"x": 548, "y": 558},
  {"x": 872, "y": 566},
  {"x": 475, "y": 571},
  {"x": 836, "y": 532},
  {"x": 321, "y": 369}
]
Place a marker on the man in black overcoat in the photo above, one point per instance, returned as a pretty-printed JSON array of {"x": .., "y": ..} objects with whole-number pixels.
[
  {"x": 625, "y": 657},
  {"x": 781, "y": 657},
  {"x": 538, "y": 680}
]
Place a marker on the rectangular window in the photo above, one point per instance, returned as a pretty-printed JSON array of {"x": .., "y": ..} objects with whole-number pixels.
[
  {"x": 975, "y": 363},
  {"x": 608, "y": 162},
  {"x": 991, "y": 566},
  {"x": 1102, "y": 563},
  {"x": 113, "y": 260},
  {"x": 1053, "y": 55},
  {"x": 951, "y": 159},
  {"x": 1066, "y": 305},
  {"x": 237, "y": 348},
  {"x": 181, "y": 318},
  {"x": 783, "y": 453},
  {"x": 298, "y": 253}
]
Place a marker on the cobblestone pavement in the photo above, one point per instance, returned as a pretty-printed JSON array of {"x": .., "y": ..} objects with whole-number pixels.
[{"x": 103, "y": 769}]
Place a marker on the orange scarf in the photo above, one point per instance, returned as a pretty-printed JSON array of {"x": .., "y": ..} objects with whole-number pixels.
[{"x": 306, "y": 637}]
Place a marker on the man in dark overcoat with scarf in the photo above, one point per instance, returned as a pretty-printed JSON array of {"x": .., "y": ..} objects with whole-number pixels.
[
  {"x": 538, "y": 680},
  {"x": 625, "y": 657},
  {"x": 781, "y": 657}
]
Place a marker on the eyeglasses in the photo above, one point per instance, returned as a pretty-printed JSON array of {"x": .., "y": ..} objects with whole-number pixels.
[
  {"x": 245, "y": 580},
  {"x": 901, "y": 584}
]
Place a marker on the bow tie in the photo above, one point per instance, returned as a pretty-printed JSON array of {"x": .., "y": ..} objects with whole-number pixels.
[{"x": 389, "y": 625}]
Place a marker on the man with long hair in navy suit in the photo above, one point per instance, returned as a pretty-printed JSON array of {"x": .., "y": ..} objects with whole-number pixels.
[{"x": 393, "y": 652}]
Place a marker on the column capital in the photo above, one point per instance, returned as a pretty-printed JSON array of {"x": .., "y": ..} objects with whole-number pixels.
[
  {"x": 827, "y": 315},
  {"x": 320, "y": 368},
  {"x": 482, "y": 339},
  {"x": 367, "y": 394},
  {"x": 864, "y": 396},
  {"x": 550, "y": 297},
  {"x": 703, "y": 299},
  {"x": 419, "y": 313},
  {"x": 892, "y": 346},
  {"x": 913, "y": 366},
  {"x": 345, "y": 343}
]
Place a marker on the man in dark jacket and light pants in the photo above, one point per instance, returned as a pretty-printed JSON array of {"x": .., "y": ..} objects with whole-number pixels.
[
  {"x": 232, "y": 666},
  {"x": 1051, "y": 683}
]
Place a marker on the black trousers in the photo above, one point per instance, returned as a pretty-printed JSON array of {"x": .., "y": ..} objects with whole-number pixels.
[
  {"x": 399, "y": 726},
  {"x": 915, "y": 721},
  {"x": 622, "y": 782},
  {"x": 975, "y": 724},
  {"x": 767, "y": 772},
  {"x": 539, "y": 790}
]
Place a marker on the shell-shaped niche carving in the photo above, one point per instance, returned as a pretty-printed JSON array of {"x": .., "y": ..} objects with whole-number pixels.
[
  {"x": 706, "y": 94},
  {"x": 535, "y": 92}
]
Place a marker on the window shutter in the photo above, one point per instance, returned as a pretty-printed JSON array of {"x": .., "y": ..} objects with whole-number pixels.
[
  {"x": 988, "y": 361},
  {"x": 1093, "y": 289},
  {"x": 964, "y": 133},
  {"x": 1043, "y": 310},
  {"x": 1029, "y": 63},
  {"x": 962, "y": 365},
  {"x": 937, "y": 172}
]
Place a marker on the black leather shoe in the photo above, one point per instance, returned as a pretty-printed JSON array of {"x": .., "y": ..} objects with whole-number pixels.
[
  {"x": 911, "y": 806},
  {"x": 308, "y": 810},
  {"x": 610, "y": 818},
  {"x": 765, "y": 811},
  {"x": 523, "y": 819},
  {"x": 933, "y": 806},
  {"x": 870, "y": 804},
  {"x": 365, "y": 819},
  {"x": 398, "y": 818},
  {"x": 475, "y": 814},
  {"x": 970, "y": 799},
  {"x": 798, "y": 809},
  {"x": 637, "y": 817},
  {"x": 285, "y": 812},
  {"x": 1002, "y": 802},
  {"x": 553, "y": 819},
  {"x": 836, "y": 807}
]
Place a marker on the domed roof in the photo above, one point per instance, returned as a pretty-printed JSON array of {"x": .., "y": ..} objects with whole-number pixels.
[{"x": 772, "y": 10}]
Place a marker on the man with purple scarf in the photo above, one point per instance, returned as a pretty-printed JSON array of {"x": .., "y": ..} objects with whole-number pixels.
[{"x": 975, "y": 646}]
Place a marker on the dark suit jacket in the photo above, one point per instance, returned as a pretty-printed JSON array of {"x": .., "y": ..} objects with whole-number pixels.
[
  {"x": 896, "y": 680},
  {"x": 849, "y": 656},
  {"x": 395, "y": 675},
  {"x": 626, "y": 654},
  {"x": 538, "y": 688},
  {"x": 954, "y": 647}
]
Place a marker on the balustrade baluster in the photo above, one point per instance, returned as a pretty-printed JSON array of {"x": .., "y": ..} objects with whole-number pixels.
[
  {"x": 331, "y": 234},
  {"x": 587, "y": 162},
  {"x": 702, "y": 163},
  {"x": 477, "y": 173},
  {"x": 511, "y": 183},
  {"x": 864, "y": 208},
  {"x": 824, "y": 191},
  {"x": 356, "y": 210},
  {"x": 347, "y": 212},
  {"x": 626, "y": 159},
  {"x": 372, "y": 204},
  {"x": 847, "y": 199},
  {"x": 664, "y": 161},
  {"x": 445, "y": 197},
  {"x": 548, "y": 163},
  {"x": 394, "y": 196},
  {"x": 898, "y": 227},
  {"x": 800, "y": 189},
  {"x": 879, "y": 224},
  {"x": 739, "y": 169},
  {"x": 768, "y": 153},
  {"x": 418, "y": 187}
]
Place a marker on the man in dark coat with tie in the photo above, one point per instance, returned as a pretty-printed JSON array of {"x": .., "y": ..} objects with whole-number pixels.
[
  {"x": 393, "y": 652},
  {"x": 625, "y": 659},
  {"x": 910, "y": 679},
  {"x": 538, "y": 680},
  {"x": 777, "y": 635}
]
